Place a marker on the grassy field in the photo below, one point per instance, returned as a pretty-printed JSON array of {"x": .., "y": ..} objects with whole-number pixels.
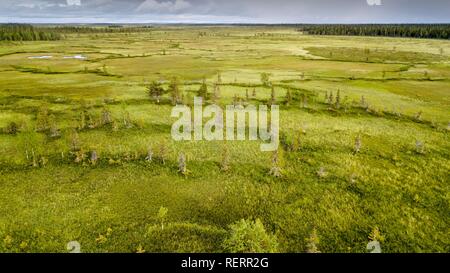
[{"x": 395, "y": 101}]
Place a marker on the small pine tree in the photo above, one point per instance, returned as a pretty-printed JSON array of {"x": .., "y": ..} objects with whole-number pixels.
[
  {"x": 330, "y": 98},
  {"x": 420, "y": 147},
  {"x": 225, "y": 164},
  {"x": 162, "y": 216},
  {"x": 277, "y": 163},
  {"x": 312, "y": 243},
  {"x": 182, "y": 165},
  {"x": 254, "y": 93},
  {"x": 288, "y": 99},
  {"x": 247, "y": 96},
  {"x": 216, "y": 94},
  {"x": 338, "y": 99},
  {"x": 149, "y": 157},
  {"x": 42, "y": 119},
  {"x": 155, "y": 91},
  {"x": 175, "y": 92},
  {"x": 265, "y": 79},
  {"x": 106, "y": 117},
  {"x": 74, "y": 142},
  {"x": 304, "y": 101},
  {"x": 363, "y": 102},
  {"x": 272, "y": 96},
  {"x": 54, "y": 131},
  {"x": 163, "y": 152},
  {"x": 358, "y": 144},
  {"x": 250, "y": 237},
  {"x": 203, "y": 90},
  {"x": 94, "y": 157}
]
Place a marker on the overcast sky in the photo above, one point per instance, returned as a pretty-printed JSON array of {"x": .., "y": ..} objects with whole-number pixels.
[{"x": 225, "y": 11}]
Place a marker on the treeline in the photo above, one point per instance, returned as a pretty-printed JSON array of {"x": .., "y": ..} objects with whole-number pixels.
[
  {"x": 431, "y": 31},
  {"x": 99, "y": 29},
  {"x": 22, "y": 32}
]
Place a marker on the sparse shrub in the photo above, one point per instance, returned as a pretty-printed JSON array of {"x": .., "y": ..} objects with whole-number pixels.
[
  {"x": 80, "y": 156},
  {"x": 12, "y": 128},
  {"x": 312, "y": 243},
  {"x": 248, "y": 236},
  {"x": 375, "y": 235}
]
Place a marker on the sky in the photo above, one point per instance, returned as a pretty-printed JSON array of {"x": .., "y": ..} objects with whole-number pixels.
[{"x": 225, "y": 11}]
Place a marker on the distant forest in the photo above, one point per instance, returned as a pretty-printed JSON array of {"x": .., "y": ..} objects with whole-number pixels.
[
  {"x": 22, "y": 32},
  {"x": 431, "y": 31},
  {"x": 25, "y": 32}
]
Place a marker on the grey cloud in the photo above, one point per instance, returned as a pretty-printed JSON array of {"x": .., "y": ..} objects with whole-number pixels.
[{"x": 257, "y": 11}]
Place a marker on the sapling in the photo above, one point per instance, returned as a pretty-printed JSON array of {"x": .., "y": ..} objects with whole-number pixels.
[
  {"x": 74, "y": 141},
  {"x": 225, "y": 164},
  {"x": 106, "y": 117},
  {"x": 163, "y": 152},
  {"x": 358, "y": 144},
  {"x": 182, "y": 165},
  {"x": 149, "y": 157},
  {"x": 322, "y": 173}
]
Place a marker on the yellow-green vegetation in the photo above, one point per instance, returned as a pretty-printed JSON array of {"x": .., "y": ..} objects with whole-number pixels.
[{"x": 86, "y": 153}]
